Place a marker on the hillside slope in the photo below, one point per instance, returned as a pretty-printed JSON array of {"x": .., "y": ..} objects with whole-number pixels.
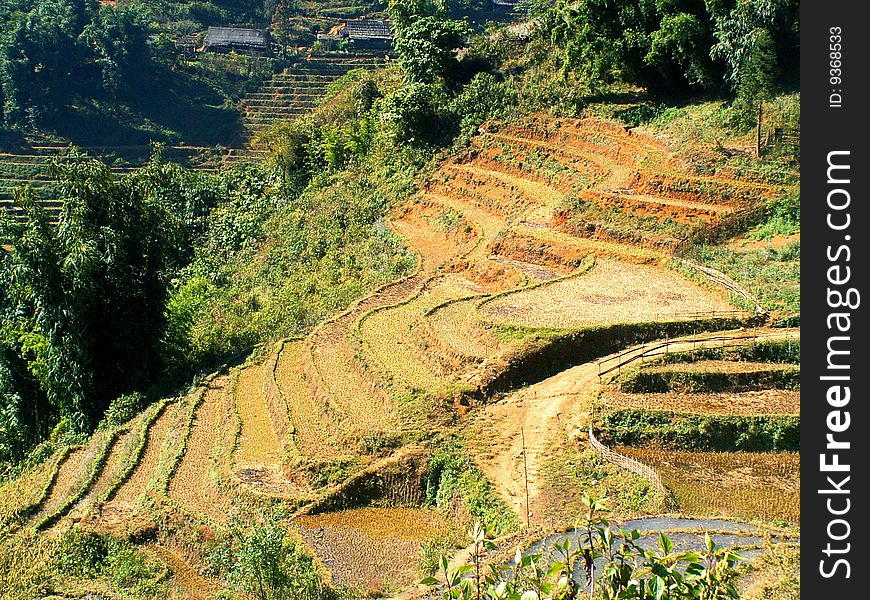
[{"x": 543, "y": 247}]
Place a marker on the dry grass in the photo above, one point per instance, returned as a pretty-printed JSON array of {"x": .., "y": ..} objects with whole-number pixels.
[
  {"x": 486, "y": 224},
  {"x": 136, "y": 484},
  {"x": 313, "y": 432},
  {"x": 258, "y": 443},
  {"x": 394, "y": 338},
  {"x": 340, "y": 382},
  {"x": 763, "y": 402},
  {"x": 612, "y": 292},
  {"x": 746, "y": 485},
  {"x": 436, "y": 247},
  {"x": 26, "y": 491},
  {"x": 458, "y": 327},
  {"x": 720, "y": 366},
  {"x": 67, "y": 477},
  {"x": 371, "y": 550},
  {"x": 113, "y": 465},
  {"x": 191, "y": 485}
]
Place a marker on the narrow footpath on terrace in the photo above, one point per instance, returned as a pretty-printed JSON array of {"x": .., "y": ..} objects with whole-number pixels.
[{"x": 539, "y": 417}]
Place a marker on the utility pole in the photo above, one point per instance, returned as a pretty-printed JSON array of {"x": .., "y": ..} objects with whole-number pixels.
[{"x": 526, "y": 476}]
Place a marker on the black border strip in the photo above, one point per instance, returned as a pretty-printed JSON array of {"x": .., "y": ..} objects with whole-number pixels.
[{"x": 834, "y": 120}]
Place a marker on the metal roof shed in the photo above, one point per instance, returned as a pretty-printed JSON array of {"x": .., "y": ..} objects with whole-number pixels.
[{"x": 224, "y": 39}]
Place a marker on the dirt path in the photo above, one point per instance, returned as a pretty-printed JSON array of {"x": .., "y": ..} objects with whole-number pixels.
[{"x": 540, "y": 416}]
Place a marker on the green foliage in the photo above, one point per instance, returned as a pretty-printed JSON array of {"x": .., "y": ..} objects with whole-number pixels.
[
  {"x": 614, "y": 564},
  {"x": 776, "y": 351},
  {"x": 771, "y": 274},
  {"x": 451, "y": 476},
  {"x": 425, "y": 39},
  {"x": 270, "y": 267},
  {"x": 678, "y": 431},
  {"x": 485, "y": 97},
  {"x": 267, "y": 563},
  {"x": 644, "y": 381},
  {"x": 122, "y": 409},
  {"x": 783, "y": 218},
  {"x": 83, "y": 301},
  {"x": 54, "y": 51},
  {"x": 83, "y": 555},
  {"x": 664, "y": 45},
  {"x": 418, "y": 114}
]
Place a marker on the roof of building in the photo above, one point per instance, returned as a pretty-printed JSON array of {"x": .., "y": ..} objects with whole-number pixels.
[
  {"x": 367, "y": 29},
  {"x": 237, "y": 36}
]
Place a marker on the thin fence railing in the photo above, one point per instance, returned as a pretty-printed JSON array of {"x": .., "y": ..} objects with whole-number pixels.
[
  {"x": 628, "y": 463},
  {"x": 626, "y": 357}
]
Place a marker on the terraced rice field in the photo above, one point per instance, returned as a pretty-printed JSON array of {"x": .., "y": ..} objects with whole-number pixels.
[
  {"x": 395, "y": 339},
  {"x": 611, "y": 292},
  {"x": 372, "y": 549},
  {"x": 526, "y": 205},
  {"x": 32, "y": 167},
  {"x": 339, "y": 379},
  {"x": 297, "y": 90},
  {"x": 137, "y": 482},
  {"x": 192, "y": 485},
  {"x": 458, "y": 327},
  {"x": 314, "y": 432},
  {"x": 111, "y": 469},
  {"x": 258, "y": 443},
  {"x": 65, "y": 481},
  {"x": 748, "y": 485},
  {"x": 761, "y": 402}
]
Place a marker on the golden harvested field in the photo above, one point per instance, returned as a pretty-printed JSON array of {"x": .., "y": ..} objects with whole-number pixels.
[
  {"x": 19, "y": 494},
  {"x": 67, "y": 476},
  {"x": 191, "y": 485},
  {"x": 313, "y": 434},
  {"x": 113, "y": 465},
  {"x": 141, "y": 475},
  {"x": 337, "y": 376},
  {"x": 612, "y": 292},
  {"x": 457, "y": 325},
  {"x": 371, "y": 549},
  {"x": 763, "y": 402},
  {"x": 258, "y": 443},
  {"x": 746, "y": 485},
  {"x": 394, "y": 338}
]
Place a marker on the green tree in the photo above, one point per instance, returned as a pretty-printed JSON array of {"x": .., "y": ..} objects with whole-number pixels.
[
  {"x": 270, "y": 565},
  {"x": 117, "y": 40},
  {"x": 83, "y": 301},
  {"x": 282, "y": 24},
  {"x": 425, "y": 39}
]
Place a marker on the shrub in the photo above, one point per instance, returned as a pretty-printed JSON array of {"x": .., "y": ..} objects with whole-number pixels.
[{"x": 268, "y": 564}]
